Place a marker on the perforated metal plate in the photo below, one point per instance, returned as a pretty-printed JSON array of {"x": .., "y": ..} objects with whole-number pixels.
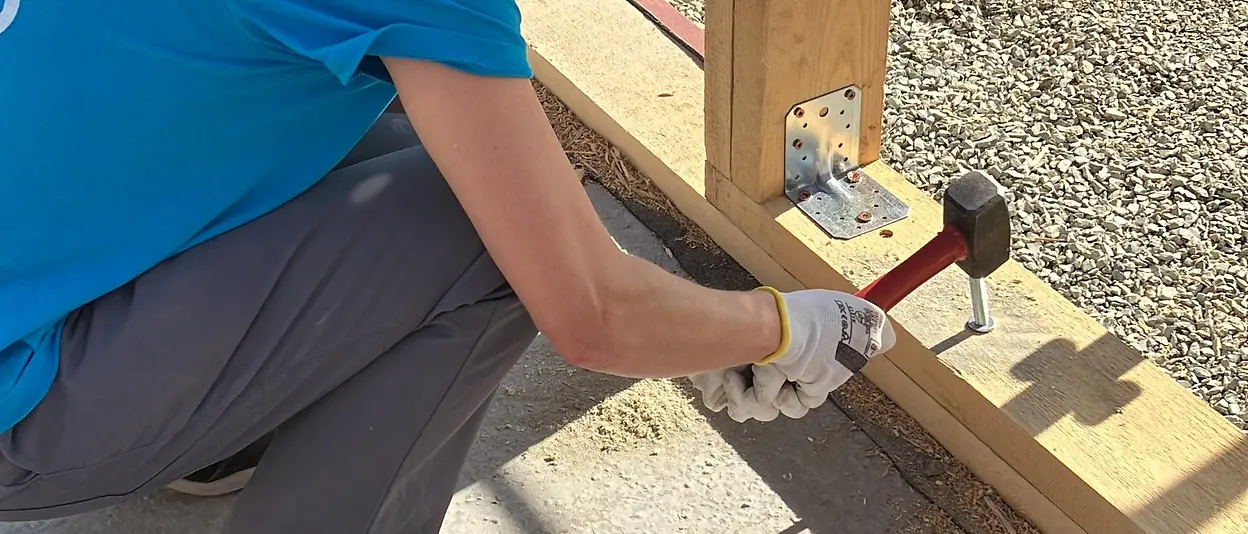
[{"x": 821, "y": 169}]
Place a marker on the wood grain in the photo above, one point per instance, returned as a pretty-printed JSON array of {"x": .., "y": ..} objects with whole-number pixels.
[{"x": 717, "y": 108}]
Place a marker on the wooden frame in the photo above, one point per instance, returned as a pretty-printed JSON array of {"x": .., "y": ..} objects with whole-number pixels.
[{"x": 1072, "y": 426}]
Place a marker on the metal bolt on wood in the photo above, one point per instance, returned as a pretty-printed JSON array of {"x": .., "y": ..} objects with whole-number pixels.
[{"x": 981, "y": 320}]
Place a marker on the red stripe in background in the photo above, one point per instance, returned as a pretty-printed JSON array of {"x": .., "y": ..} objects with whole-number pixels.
[{"x": 675, "y": 24}]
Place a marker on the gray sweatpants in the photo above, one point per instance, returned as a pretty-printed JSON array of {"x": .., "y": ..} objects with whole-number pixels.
[{"x": 364, "y": 317}]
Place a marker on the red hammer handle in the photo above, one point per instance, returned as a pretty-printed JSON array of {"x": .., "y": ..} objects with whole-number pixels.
[{"x": 948, "y": 247}]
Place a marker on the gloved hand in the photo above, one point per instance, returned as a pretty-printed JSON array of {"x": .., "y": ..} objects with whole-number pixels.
[
  {"x": 828, "y": 337},
  {"x": 727, "y": 388}
]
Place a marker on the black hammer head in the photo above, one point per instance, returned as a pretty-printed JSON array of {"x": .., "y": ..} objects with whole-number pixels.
[{"x": 976, "y": 206}]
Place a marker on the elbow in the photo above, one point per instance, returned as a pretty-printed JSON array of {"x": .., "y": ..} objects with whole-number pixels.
[
  {"x": 591, "y": 340},
  {"x": 601, "y": 326},
  {"x": 584, "y": 343}
]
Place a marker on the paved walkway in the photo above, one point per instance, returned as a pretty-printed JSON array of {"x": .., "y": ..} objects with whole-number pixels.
[{"x": 567, "y": 451}]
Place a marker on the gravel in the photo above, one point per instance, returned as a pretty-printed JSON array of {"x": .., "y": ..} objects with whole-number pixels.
[
  {"x": 1120, "y": 128},
  {"x": 693, "y": 9}
]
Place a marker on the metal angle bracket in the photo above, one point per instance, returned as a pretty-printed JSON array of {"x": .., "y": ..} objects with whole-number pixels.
[{"x": 822, "y": 174}]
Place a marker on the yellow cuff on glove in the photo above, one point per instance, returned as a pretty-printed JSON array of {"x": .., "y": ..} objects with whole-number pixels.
[{"x": 784, "y": 326}]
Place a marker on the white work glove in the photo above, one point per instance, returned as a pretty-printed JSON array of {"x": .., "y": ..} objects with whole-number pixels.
[
  {"x": 726, "y": 388},
  {"x": 827, "y": 337}
]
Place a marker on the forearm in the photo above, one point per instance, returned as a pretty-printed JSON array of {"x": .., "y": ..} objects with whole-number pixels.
[{"x": 661, "y": 325}]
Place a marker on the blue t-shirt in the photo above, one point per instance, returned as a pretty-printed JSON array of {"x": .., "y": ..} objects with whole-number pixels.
[{"x": 131, "y": 130}]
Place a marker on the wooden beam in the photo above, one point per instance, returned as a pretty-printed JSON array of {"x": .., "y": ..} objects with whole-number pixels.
[
  {"x": 768, "y": 55},
  {"x": 1069, "y": 424}
]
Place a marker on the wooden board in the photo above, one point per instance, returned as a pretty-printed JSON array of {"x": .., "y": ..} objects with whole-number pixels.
[
  {"x": 1073, "y": 428},
  {"x": 784, "y": 52}
]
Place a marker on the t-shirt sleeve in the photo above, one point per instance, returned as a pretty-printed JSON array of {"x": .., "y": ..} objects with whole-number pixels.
[{"x": 477, "y": 36}]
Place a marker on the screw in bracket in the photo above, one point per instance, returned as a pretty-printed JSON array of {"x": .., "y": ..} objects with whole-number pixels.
[
  {"x": 854, "y": 177},
  {"x": 799, "y": 112},
  {"x": 850, "y": 94},
  {"x": 803, "y": 194},
  {"x": 864, "y": 217}
]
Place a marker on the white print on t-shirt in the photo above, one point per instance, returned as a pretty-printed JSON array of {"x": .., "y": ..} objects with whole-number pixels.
[{"x": 8, "y": 12}]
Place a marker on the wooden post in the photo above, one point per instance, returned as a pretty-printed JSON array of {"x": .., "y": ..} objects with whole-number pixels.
[{"x": 765, "y": 56}]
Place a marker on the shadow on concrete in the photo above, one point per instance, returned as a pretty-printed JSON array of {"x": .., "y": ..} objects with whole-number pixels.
[
  {"x": 160, "y": 513},
  {"x": 519, "y": 506},
  {"x": 538, "y": 398},
  {"x": 829, "y": 472}
]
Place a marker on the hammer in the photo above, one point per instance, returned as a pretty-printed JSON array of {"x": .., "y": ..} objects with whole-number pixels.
[{"x": 976, "y": 236}]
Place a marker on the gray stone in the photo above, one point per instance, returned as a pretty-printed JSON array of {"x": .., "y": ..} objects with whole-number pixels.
[{"x": 1114, "y": 114}]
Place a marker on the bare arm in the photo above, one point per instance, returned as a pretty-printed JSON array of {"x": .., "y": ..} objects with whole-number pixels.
[{"x": 601, "y": 308}]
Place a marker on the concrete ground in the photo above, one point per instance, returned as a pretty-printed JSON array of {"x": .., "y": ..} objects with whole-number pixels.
[{"x": 568, "y": 451}]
